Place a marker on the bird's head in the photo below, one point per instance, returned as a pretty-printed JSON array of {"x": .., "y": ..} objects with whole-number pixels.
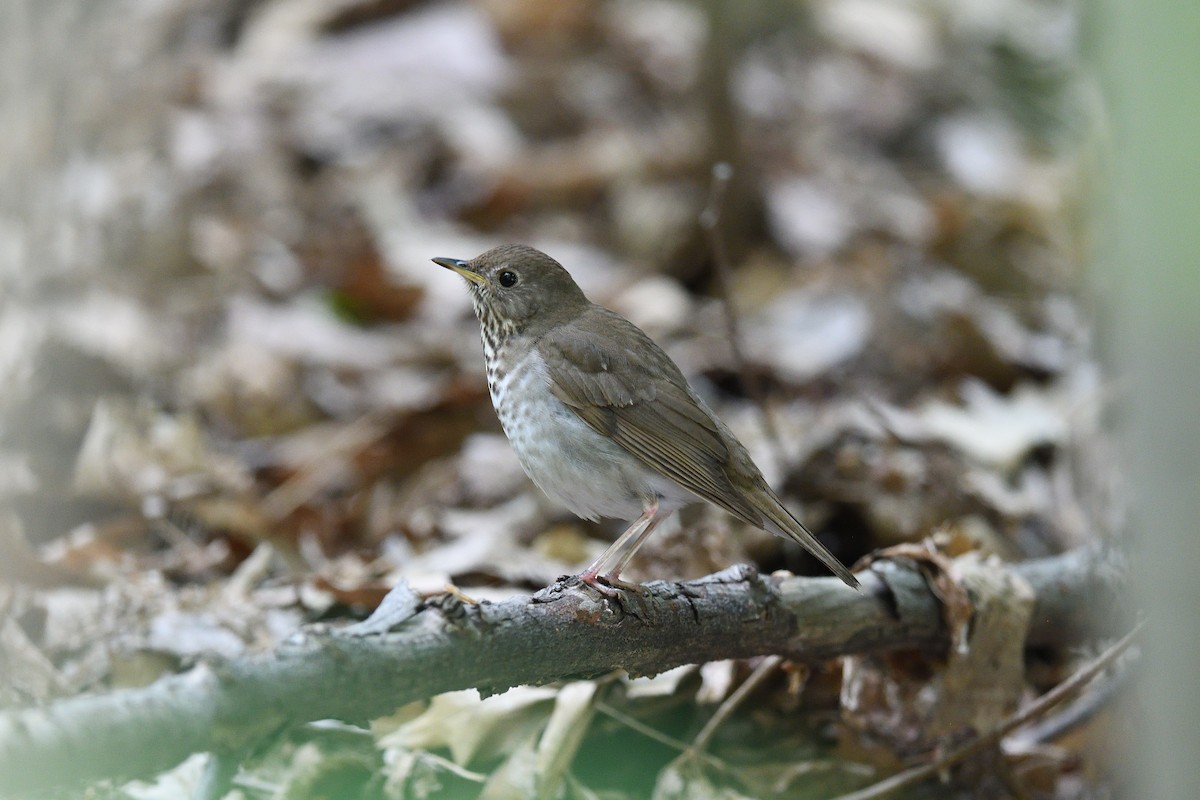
[{"x": 515, "y": 288}]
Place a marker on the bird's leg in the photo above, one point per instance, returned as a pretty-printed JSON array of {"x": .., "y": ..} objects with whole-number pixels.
[
  {"x": 627, "y": 556},
  {"x": 623, "y": 548}
]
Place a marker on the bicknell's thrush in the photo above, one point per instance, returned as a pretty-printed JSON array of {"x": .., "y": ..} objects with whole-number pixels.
[{"x": 600, "y": 417}]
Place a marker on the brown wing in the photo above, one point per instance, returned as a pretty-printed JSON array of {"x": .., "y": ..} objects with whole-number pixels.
[{"x": 635, "y": 394}]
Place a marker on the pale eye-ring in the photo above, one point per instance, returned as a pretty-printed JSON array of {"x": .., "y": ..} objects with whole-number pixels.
[{"x": 508, "y": 279}]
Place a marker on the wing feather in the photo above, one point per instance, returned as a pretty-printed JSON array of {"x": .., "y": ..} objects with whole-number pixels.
[{"x": 639, "y": 398}]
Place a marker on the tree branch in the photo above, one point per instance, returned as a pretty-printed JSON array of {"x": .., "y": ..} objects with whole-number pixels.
[{"x": 413, "y": 648}]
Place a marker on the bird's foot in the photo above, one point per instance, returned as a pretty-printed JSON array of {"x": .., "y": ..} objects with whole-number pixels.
[
  {"x": 608, "y": 585},
  {"x": 589, "y": 577}
]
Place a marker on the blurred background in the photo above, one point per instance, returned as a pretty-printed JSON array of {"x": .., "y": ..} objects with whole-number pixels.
[{"x": 238, "y": 396}]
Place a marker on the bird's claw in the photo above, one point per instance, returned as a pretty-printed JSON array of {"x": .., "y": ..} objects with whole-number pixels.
[{"x": 608, "y": 585}]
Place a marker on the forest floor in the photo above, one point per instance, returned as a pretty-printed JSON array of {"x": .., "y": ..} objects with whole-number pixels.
[{"x": 239, "y": 398}]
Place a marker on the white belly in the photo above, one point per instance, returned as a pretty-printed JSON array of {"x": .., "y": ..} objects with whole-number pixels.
[{"x": 570, "y": 462}]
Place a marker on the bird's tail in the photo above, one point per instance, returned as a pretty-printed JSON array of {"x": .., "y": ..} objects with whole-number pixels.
[{"x": 780, "y": 522}]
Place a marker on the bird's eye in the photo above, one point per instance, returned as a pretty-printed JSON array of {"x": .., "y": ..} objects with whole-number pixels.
[{"x": 508, "y": 279}]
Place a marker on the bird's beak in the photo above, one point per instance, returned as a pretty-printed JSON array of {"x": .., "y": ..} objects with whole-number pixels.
[{"x": 462, "y": 268}]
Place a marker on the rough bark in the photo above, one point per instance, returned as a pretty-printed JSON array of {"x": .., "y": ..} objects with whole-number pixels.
[{"x": 414, "y": 648}]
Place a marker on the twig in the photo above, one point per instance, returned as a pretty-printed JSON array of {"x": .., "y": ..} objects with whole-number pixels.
[
  {"x": 1079, "y": 711},
  {"x": 760, "y": 673},
  {"x": 710, "y": 221},
  {"x": 652, "y": 733},
  {"x": 1035, "y": 709}
]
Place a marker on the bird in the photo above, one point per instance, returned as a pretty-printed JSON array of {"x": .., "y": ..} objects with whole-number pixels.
[{"x": 600, "y": 417}]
